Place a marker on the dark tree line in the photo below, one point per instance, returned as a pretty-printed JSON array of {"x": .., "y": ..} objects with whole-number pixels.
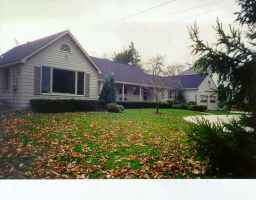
[{"x": 128, "y": 56}]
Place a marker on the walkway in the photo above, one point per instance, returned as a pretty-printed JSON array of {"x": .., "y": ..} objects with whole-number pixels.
[{"x": 213, "y": 118}]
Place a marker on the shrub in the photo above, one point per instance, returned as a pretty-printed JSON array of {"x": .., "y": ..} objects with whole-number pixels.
[
  {"x": 192, "y": 103},
  {"x": 170, "y": 102},
  {"x": 115, "y": 108},
  {"x": 189, "y": 106},
  {"x": 180, "y": 106},
  {"x": 229, "y": 148},
  {"x": 197, "y": 108},
  {"x": 59, "y": 106},
  {"x": 140, "y": 104},
  {"x": 180, "y": 97},
  {"x": 108, "y": 93}
]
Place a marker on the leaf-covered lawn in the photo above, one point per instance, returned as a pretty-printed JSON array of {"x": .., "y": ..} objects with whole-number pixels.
[{"x": 134, "y": 144}]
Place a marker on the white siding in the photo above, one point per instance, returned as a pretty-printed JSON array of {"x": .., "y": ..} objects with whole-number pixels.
[
  {"x": 165, "y": 96},
  {"x": 2, "y": 79},
  {"x": 208, "y": 88},
  {"x": 53, "y": 57},
  {"x": 9, "y": 95},
  {"x": 190, "y": 95}
]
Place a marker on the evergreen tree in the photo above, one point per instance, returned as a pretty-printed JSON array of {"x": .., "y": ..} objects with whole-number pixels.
[
  {"x": 128, "y": 56},
  {"x": 108, "y": 93},
  {"x": 232, "y": 58}
]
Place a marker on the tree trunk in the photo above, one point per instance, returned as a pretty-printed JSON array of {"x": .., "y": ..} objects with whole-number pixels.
[
  {"x": 157, "y": 107},
  {"x": 157, "y": 104}
]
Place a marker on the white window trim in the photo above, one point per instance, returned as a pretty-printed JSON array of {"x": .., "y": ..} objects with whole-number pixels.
[
  {"x": 62, "y": 94},
  {"x": 204, "y": 98},
  {"x": 51, "y": 93},
  {"x": 213, "y": 99},
  {"x": 76, "y": 80},
  {"x": 7, "y": 80}
]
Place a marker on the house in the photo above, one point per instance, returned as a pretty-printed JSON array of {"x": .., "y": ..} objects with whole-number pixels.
[{"x": 57, "y": 67}]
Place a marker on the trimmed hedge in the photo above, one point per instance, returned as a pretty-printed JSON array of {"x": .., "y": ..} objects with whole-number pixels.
[
  {"x": 138, "y": 105},
  {"x": 198, "y": 108},
  {"x": 114, "y": 108},
  {"x": 59, "y": 106}
]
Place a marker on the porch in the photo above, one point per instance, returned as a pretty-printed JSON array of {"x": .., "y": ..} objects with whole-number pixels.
[{"x": 128, "y": 92}]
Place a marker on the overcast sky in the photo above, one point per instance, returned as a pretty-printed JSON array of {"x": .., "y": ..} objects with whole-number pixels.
[{"x": 103, "y": 27}]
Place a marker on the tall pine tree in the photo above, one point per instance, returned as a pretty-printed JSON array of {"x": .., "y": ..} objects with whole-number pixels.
[{"x": 232, "y": 58}]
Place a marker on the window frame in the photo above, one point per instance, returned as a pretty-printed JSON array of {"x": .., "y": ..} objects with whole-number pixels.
[
  {"x": 136, "y": 91},
  {"x": 121, "y": 90},
  {"x": 213, "y": 99},
  {"x": 73, "y": 73},
  {"x": 76, "y": 83},
  {"x": 41, "y": 80},
  {"x": 204, "y": 98},
  {"x": 7, "y": 80},
  {"x": 51, "y": 93}
]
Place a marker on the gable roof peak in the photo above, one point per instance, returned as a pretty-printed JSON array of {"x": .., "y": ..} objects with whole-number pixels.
[{"x": 20, "y": 54}]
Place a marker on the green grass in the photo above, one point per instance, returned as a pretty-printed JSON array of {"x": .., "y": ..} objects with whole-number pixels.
[{"x": 135, "y": 144}]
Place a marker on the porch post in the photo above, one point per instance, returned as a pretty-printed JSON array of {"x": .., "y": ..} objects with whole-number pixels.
[
  {"x": 140, "y": 94},
  {"x": 123, "y": 93}
]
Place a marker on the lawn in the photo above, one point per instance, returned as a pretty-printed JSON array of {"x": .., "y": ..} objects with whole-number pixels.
[{"x": 134, "y": 144}]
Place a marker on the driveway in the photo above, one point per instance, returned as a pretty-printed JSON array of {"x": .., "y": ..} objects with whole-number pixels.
[{"x": 213, "y": 118}]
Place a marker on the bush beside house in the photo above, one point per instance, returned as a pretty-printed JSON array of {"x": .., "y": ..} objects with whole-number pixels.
[
  {"x": 59, "y": 106},
  {"x": 141, "y": 105},
  {"x": 108, "y": 93},
  {"x": 115, "y": 108}
]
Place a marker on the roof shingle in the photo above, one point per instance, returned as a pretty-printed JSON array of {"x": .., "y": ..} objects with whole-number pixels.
[
  {"x": 132, "y": 74},
  {"x": 17, "y": 53},
  {"x": 121, "y": 72}
]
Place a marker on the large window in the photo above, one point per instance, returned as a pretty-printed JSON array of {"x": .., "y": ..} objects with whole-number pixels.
[
  {"x": 80, "y": 83},
  {"x": 46, "y": 79},
  {"x": 203, "y": 98},
  {"x": 213, "y": 99},
  {"x": 6, "y": 77},
  {"x": 62, "y": 81}
]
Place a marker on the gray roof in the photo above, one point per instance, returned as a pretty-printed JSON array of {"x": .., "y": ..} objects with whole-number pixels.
[
  {"x": 132, "y": 74},
  {"x": 189, "y": 81},
  {"x": 189, "y": 71},
  {"x": 17, "y": 53},
  {"x": 122, "y": 72}
]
